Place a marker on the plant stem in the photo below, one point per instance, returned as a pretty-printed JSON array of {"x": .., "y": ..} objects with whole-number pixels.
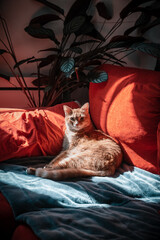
[
  {"x": 62, "y": 90},
  {"x": 13, "y": 55},
  {"x": 39, "y": 93},
  {"x": 114, "y": 28},
  {"x": 131, "y": 52},
  {"x": 104, "y": 22}
]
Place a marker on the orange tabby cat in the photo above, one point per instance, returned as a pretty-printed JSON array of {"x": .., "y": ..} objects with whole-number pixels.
[{"x": 85, "y": 152}]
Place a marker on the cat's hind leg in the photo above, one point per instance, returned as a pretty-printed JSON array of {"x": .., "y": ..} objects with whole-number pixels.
[
  {"x": 69, "y": 173},
  {"x": 31, "y": 170}
]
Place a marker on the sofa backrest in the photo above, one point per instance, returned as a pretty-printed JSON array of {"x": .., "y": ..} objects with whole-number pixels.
[{"x": 127, "y": 107}]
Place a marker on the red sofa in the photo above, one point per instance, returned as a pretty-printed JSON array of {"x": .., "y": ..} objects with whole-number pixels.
[{"x": 126, "y": 107}]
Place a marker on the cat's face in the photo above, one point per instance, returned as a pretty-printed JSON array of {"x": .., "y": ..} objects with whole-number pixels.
[{"x": 77, "y": 119}]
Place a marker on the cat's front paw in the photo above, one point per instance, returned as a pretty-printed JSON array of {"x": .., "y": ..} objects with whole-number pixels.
[{"x": 31, "y": 171}]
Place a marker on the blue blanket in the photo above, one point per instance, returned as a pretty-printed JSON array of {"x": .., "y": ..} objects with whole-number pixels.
[{"x": 126, "y": 206}]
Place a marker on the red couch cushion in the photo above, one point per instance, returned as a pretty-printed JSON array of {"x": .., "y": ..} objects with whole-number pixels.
[
  {"x": 24, "y": 232},
  {"x": 32, "y": 132},
  {"x": 7, "y": 221},
  {"x": 127, "y": 107}
]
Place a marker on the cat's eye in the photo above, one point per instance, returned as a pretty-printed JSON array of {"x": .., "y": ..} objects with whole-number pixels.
[
  {"x": 82, "y": 118},
  {"x": 72, "y": 119}
]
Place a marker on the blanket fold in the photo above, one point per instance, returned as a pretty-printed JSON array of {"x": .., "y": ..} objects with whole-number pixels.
[{"x": 125, "y": 206}]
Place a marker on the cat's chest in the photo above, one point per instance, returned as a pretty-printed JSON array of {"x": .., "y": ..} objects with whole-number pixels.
[{"x": 71, "y": 140}]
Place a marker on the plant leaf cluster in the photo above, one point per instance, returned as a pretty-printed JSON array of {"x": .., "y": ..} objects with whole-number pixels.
[{"x": 74, "y": 59}]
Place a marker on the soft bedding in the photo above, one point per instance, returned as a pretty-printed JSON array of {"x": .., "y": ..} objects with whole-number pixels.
[{"x": 125, "y": 206}]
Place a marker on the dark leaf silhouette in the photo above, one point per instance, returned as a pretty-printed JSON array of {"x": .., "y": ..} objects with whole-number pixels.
[
  {"x": 143, "y": 19},
  {"x": 23, "y": 61},
  {"x": 41, "y": 81},
  {"x": 152, "y": 49},
  {"x": 41, "y": 32},
  {"x": 103, "y": 11},
  {"x": 52, "y": 6},
  {"x": 5, "y": 76},
  {"x": 77, "y": 50},
  {"x": 48, "y": 60},
  {"x": 2, "y": 51},
  {"x": 83, "y": 42},
  {"x": 74, "y": 25},
  {"x": 89, "y": 29},
  {"x": 124, "y": 41},
  {"x": 78, "y": 8},
  {"x": 151, "y": 25},
  {"x": 131, "y": 7},
  {"x": 49, "y": 49},
  {"x": 44, "y": 19}
]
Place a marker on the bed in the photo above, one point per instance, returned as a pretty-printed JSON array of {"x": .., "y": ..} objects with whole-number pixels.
[{"x": 125, "y": 206}]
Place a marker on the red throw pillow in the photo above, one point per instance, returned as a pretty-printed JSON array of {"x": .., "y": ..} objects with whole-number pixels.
[
  {"x": 32, "y": 132},
  {"x": 127, "y": 107}
]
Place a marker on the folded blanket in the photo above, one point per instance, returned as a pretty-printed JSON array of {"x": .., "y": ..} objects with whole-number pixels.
[{"x": 125, "y": 206}]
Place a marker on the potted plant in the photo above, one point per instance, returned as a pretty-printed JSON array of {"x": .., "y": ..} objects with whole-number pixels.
[{"x": 70, "y": 66}]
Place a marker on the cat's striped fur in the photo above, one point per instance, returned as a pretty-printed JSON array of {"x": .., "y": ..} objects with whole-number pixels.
[{"x": 86, "y": 151}]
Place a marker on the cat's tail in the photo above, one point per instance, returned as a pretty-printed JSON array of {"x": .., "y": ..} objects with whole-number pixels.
[{"x": 62, "y": 174}]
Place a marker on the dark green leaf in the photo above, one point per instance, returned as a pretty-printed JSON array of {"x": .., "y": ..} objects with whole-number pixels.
[
  {"x": 89, "y": 29},
  {"x": 41, "y": 32},
  {"x": 92, "y": 62},
  {"x": 49, "y": 49},
  {"x": 131, "y": 39},
  {"x": 83, "y": 42},
  {"x": 67, "y": 65},
  {"x": 74, "y": 25},
  {"x": 23, "y": 61},
  {"x": 97, "y": 77},
  {"x": 44, "y": 19},
  {"x": 152, "y": 49},
  {"x": 35, "y": 60},
  {"x": 131, "y": 7},
  {"x": 41, "y": 81},
  {"x": 151, "y": 25},
  {"x": 48, "y": 60},
  {"x": 143, "y": 19},
  {"x": 103, "y": 11},
  {"x": 96, "y": 34},
  {"x": 124, "y": 41},
  {"x": 2, "y": 51},
  {"x": 52, "y": 6},
  {"x": 5, "y": 76},
  {"x": 86, "y": 27},
  {"x": 76, "y": 50},
  {"x": 154, "y": 8},
  {"x": 78, "y": 8}
]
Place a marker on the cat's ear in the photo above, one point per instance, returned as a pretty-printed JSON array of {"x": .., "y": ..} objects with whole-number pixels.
[
  {"x": 85, "y": 107},
  {"x": 67, "y": 110}
]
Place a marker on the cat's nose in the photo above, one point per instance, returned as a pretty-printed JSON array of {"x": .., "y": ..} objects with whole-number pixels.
[{"x": 75, "y": 123}]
